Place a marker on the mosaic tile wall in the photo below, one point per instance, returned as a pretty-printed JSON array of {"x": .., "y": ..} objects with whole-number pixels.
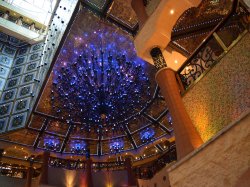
[
  {"x": 24, "y": 67},
  {"x": 223, "y": 94}
]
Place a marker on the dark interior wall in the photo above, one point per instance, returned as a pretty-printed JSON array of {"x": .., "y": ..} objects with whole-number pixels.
[{"x": 75, "y": 178}]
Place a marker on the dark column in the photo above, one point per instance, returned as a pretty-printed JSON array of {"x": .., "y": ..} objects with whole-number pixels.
[
  {"x": 89, "y": 181},
  {"x": 30, "y": 173},
  {"x": 186, "y": 136},
  {"x": 131, "y": 178},
  {"x": 1, "y": 153},
  {"x": 45, "y": 168},
  {"x": 140, "y": 11}
]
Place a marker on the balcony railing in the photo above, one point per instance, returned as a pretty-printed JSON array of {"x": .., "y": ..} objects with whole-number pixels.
[
  {"x": 18, "y": 170},
  {"x": 220, "y": 40},
  {"x": 78, "y": 164},
  {"x": 147, "y": 171}
]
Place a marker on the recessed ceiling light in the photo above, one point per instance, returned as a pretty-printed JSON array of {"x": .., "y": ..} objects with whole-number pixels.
[
  {"x": 172, "y": 11},
  {"x": 176, "y": 61}
]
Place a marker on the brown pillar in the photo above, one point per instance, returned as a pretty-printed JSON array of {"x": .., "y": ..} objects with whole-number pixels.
[
  {"x": 186, "y": 137},
  {"x": 131, "y": 178},
  {"x": 1, "y": 153},
  {"x": 45, "y": 168},
  {"x": 30, "y": 173},
  {"x": 89, "y": 181},
  {"x": 140, "y": 11}
]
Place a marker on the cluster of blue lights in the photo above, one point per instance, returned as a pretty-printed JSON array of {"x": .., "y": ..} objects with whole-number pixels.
[
  {"x": 99, "y": 90},
  {"x": 116, "y": 146},
  {"x": 78, "y": 147},
  {"x": 147, "y": 135},
  {"x": 51, "y": 144}
]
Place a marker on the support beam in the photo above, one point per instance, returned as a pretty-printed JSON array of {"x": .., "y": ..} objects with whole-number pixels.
[
  {"x": 66, "y": 139},
  {"x": 99, "y": 148},
  {"x": 131, "y": 178},
  {"x": 130, "y": 138},
  {"x": 89, "y": 180},
  {"x": 186, "y": 136},
  {"x": 45, "y": 124},
  {"x": 30, "y": 174},
  {"x": 156, "y": 121},
  {"x": 45, "y": 168}
]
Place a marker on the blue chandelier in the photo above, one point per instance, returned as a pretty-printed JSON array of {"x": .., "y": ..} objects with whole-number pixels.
[
  {"x": 116, "y": 146},
  {"x": 147, "y": 135},
  {"x": 99, "y": 90},
  {"x": 51, "y": 144},
  {"x": 78, "y": 147}
]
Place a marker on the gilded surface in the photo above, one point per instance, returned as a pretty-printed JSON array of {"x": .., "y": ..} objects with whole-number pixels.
[{"x": 223, "y": 94}]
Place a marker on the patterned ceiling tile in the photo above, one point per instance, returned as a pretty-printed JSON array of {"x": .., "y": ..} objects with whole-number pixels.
[
  {"x": 2, "y": 83},
  {"x": 36, "y": 122},
  {"x": 137, "y": 123},
  {"x": 8, "y": 96},
  {"x": 156, "y": 108},
  {"x": 122, "y": 12},
  {"x": 79, "y": 132},
  {"x": 24, "y": 136},
  {"x": 4, "y": 72},
  {"x": 5, "y": 109},
  {"x": 9, "y": 50},
  {"x": 12, "y": 83},
  {"x": 25, "y": 91},
  {"x": 17, "y": 121},
  {"x": 57, "y": 127},
  {"x": 3, "y": 124},
  {"x": 21, "y": 105},
  {"x": 23, "y": 51},
  {"x": 3, "y": 37},
  {"x": 97, "y": 4},
  {"x": 20, "y": 61},
  {"x": 5, "y": 61}
]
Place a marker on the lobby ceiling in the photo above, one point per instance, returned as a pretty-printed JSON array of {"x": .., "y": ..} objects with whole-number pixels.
[{"x": 100, "y": 98}]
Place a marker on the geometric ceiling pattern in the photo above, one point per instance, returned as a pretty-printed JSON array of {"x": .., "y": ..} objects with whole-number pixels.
[
  {"x": 95, "y": 55},
  {"x": 93, "y": 43}
]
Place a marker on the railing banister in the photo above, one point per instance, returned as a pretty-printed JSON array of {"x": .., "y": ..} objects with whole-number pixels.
[{"x": 210, "y": 35}]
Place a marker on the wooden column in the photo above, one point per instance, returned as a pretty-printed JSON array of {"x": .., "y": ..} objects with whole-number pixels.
[
  {"x": 131, "y": 178},
  {"x": 89, "y": 180},
  {"x": 45, "y": 168},
  {"x": 140, "y": 11},
  {"x": 30, "y": 173},
  {"x": 186, "y": 136},
  {"x": 1, "y": 153}
]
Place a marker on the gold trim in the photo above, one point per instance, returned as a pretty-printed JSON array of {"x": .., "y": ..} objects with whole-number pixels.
[
  {"x": 217, "y": 61},
  {"x": 220, "y": 42}
]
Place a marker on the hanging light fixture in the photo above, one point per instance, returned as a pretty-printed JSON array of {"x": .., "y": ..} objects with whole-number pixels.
[
  {"x": 51, "y": 143},
  {"x": 147, "y": 135},
  {"x": 99, "y": 90},
  {"x": 78, "y": 147},
  {"x": 116, "y": 146}
]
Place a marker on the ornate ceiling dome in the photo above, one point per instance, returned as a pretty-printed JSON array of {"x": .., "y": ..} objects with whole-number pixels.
[{"x": 100, "y": 97}]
